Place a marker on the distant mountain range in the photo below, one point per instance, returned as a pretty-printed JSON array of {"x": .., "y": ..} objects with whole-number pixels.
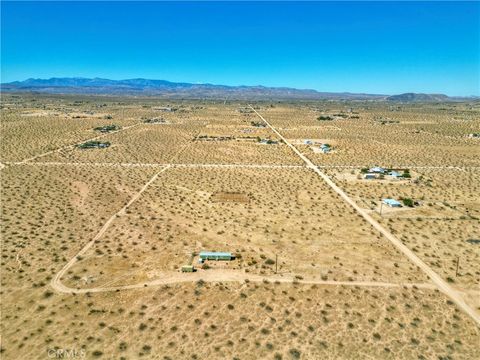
[
  {"x": 145, "y": 87},
  {"x": 409, "y": 97}
]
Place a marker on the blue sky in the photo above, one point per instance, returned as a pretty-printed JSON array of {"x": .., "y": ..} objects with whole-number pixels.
[{"x": 372, "y": 47}]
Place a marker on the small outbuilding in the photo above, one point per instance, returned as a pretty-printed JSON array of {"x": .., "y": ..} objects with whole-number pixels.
[
  {"x": 188, "y": 268},
  {"x": 392, "y": 202},
  {"x": 395, "y": 174},
  {"x": 214, "y": 255},
  {"x": 370, "y": 176},
  {"x": 377, "y": 170},
  {"x": 325, "y": 148}
]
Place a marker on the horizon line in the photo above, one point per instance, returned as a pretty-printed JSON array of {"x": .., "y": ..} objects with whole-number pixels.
[{"x": 244, "y": 85}]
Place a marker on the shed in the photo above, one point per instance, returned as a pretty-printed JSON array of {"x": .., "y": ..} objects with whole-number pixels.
[
  {"x": 188, "y": 268},
  {"x": 392, "y": 203},
  {"x": 213, "y": 255},
  {"x": 370, "y": 176},
  {"x": 395, "y": 174}
]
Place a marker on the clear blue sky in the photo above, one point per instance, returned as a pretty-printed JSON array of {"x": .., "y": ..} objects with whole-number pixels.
[{"x": 371, "y": 47}]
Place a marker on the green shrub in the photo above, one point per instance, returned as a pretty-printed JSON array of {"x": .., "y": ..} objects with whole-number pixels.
[{"x": 407, "y": 202}]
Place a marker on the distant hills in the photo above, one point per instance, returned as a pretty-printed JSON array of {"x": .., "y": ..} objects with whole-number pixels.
[
  {"x": 163, "y": 88},
  {"x": 413, "y": 97}
]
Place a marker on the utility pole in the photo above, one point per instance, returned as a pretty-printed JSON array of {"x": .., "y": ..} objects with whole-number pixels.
[{"x": 458, "y": 261}]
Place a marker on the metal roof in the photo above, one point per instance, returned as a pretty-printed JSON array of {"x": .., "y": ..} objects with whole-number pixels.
[
  {"x": 214, "y": 253},
  {"x": 391, "y": 202}
]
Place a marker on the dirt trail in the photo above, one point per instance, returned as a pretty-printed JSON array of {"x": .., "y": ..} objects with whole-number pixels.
[
  {"x": 223, "y": 275},
  {"x": 56, "y": 282},
  {"x": 229, "y": 275},
  {"x": 253, "y": 166},
  {"x": 208, "y": 276},
  {"x": 192, "y": 165},
  {"x": 71, "y": 146},
  {"x": 461, "y": 168},
  {"x": 441, "y": 284}
]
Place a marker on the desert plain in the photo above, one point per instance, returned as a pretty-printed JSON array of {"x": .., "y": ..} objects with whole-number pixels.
[{"x": 94, "y": 239}]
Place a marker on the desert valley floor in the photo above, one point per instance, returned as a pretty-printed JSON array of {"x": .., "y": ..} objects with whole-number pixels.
[{"x": 94, "y": 236}]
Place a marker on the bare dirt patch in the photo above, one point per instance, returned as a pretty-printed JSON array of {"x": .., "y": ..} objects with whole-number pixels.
[{"x": 226, "y": 196}]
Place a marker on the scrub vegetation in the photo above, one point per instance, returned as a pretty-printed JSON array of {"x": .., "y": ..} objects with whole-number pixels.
[{"x": 311, "y": 279}]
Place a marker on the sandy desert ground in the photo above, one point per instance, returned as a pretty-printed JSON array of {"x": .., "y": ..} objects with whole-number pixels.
[{"x": 93, "y": 239}]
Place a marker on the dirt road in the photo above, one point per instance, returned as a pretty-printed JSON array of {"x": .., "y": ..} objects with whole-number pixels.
[
  {"x": 441, "y": 284},
  {"x": 56, "y": 282},
  {"x": 73, "y": 145},
  {"x": 179, "y": 165},
  {"x": 224, "y": 275}
]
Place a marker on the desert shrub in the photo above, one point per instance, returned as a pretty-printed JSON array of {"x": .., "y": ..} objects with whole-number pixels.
[
  {"x": 407, "y": 202},
  {"x": 294, "y": 353},
  {"x": 324, "y": 118}
]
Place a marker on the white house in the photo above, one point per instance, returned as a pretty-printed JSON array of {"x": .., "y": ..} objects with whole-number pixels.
[{"x": 377, "y": 170}]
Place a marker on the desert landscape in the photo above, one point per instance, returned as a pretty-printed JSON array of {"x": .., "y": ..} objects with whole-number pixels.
[{"x": 350, "y": 228}]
